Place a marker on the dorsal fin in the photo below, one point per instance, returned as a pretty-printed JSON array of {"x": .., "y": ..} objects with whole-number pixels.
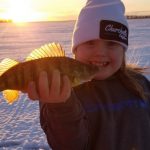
[
  {"x": 47, "y": 50},
  {"x": 6, "y": 64}
]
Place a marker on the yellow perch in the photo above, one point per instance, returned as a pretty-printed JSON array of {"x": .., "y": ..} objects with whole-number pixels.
[{"x": 15, "y": 76}]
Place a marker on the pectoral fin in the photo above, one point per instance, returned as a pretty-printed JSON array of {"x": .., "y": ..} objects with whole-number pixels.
[{"x": 10, "y": 95}]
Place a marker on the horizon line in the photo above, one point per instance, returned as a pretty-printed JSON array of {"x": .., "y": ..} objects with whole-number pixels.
[{"x": 127, "y": 14}]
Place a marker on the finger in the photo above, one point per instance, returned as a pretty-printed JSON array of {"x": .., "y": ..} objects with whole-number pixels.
[
  {"x": 43, "y": 86},
  {"x": 55, "y": 85},
  {"x": 66, "y": 89},
  {"x": 32, "y": 92}
]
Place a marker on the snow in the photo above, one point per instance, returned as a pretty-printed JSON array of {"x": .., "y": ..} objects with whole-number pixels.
[{"x": 19, "y": 123}]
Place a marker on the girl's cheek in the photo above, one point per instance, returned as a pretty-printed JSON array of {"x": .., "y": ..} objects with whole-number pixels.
[{"x": 82, "y": 53}]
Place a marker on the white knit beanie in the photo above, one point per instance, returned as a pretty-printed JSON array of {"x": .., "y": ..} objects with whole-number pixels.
[{"x": 101, "y": 19}]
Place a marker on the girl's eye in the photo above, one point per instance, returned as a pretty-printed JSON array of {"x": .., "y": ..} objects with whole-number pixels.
[
  {"x": 112, "y": 44},
  {"x": 90, "y": 43}
]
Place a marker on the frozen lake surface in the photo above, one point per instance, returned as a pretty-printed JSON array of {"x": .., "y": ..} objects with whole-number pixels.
[{"x": 19, "y": 122}]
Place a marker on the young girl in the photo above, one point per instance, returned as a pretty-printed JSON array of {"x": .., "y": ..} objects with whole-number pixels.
[{"x": 110, "y": 112}]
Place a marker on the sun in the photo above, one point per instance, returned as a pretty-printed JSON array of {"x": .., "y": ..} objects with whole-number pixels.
[{"x": 21, "y": 11}]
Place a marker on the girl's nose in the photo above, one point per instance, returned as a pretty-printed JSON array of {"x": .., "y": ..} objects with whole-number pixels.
[{"x": 100, "y": 50}]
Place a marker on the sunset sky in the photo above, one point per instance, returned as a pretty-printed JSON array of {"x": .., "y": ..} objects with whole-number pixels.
[{"x": 49, "y": 10}]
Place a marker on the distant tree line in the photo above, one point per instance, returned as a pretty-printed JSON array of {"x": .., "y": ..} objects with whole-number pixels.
[
  {"x": 137, "y": 17},
  {"x": 5, "y": 20}
]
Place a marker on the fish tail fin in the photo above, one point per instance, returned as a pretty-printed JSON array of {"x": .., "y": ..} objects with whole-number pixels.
[
  {"x": 6, "y": 64},
  {"x": 10, "y": 95}
]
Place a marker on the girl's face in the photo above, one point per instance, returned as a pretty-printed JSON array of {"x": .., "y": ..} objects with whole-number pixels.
[{"x": 107, "y": 55}]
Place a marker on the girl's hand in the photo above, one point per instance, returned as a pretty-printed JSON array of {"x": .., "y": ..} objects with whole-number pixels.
[{"x": 59, "y": 90}]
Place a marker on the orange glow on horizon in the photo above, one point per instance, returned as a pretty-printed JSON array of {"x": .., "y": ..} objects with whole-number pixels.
[
  {"x": 20, "y": 11},
  {"x": 54, "y": 10},
  {"x": 40, "y": 10}
]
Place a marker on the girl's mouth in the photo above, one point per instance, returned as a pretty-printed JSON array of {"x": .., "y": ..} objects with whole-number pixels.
[{"x": 100, "y": 64}]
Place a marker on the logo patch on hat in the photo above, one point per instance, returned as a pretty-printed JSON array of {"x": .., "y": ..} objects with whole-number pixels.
[{"x": 111, "y": 30}]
